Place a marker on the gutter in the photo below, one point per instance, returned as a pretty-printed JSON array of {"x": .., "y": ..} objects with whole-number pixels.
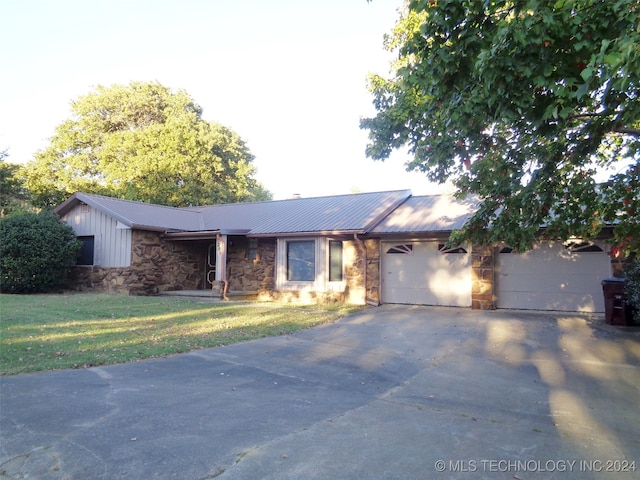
[
  {"x": 317, "y": 233},
  {"x": 190, "y": 235}
]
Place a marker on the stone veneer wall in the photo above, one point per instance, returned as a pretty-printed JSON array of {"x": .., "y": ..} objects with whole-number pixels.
[
  {"x": 482, "y": 271},
  {"x": 249, "y": 275},
  {"x": 156, "y": 265},
  {"x": 258, "y": 276},
  {"x": 373, "y": 271}
]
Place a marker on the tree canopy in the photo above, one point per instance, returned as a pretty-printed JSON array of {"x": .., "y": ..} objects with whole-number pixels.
[
  {"x": 147, "y": 143},
  {"x": 530, "y": 105},
  {"x": 12, "y": 194}
]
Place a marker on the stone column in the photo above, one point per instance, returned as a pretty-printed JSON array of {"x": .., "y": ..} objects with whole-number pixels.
[
  {"x": 483, "y": 285},
  {"x": 373, "y": 274}
]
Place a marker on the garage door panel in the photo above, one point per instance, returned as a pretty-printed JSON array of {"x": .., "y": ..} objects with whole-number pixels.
[
  {"x": 570, "y": 282},
  {"x": 575, "y": 264},
  {"x": 552, "y": 278},
  {"x": 551, "y": 301},
  {"x": 425, "y": 276}
]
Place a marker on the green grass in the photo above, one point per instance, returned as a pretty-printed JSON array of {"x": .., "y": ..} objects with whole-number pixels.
[{"x": 47, "y": 332}]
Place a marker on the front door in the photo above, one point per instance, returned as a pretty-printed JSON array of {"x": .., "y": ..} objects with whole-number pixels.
[{"x": 210, "y": 266}]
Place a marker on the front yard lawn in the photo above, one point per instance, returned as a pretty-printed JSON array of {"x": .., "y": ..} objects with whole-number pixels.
[{"x": 46, "y": 332}]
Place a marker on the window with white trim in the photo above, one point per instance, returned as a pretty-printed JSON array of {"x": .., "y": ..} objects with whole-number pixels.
[
  {"x": 336, "y": 267},
  {"x": 301, "y": 260},
  {"x": 311, "y": 263}
]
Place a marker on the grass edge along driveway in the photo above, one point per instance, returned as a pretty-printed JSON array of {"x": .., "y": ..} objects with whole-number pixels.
[{"x": 80, "y": 330}]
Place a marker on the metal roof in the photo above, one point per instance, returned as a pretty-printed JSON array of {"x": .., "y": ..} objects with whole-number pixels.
[
  {"x": 144, "y": 216},
  {"x": 339, "y": 214},
  {"x": 429, "y": 213},
  {"x": 356, "y": 213}
]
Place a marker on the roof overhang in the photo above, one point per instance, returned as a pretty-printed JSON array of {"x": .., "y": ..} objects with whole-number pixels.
[
  {"x": 322, "y": 233},
  {"x": 208, "y": 234},
  {"x": 203, "y": 235},
  {"x": 434, "y": 235}
]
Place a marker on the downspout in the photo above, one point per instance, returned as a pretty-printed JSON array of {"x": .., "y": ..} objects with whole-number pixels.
[{"x": 359, "y": 241}]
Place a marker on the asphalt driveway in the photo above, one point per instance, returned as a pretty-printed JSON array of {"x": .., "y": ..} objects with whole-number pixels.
[{"x": 392, "y": 392}]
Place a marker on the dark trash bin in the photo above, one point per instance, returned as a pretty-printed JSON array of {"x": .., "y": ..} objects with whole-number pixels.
[{"x": 616, "y": 309}]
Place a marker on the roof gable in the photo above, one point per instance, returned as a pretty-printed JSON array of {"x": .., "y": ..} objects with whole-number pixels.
[
  {"x": 429, "y": 213},
  {"x": 140, "y": 215}
]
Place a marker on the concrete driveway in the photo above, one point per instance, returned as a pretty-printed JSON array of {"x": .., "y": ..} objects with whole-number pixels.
[{"x": 392, "y": 392}]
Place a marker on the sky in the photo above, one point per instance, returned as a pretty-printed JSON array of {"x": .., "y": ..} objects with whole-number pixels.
[{"x": 288, "y": 76}]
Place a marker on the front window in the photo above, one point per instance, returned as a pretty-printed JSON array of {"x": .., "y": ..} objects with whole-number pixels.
[
  {"x": 335, "y": 261},
  {"x": 301, "y": 261}
]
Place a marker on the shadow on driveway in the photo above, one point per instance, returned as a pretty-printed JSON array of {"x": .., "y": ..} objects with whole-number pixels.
[{"x": 389, "y": 392}]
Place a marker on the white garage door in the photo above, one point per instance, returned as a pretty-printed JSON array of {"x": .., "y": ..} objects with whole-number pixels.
[
  {"x": 423, "y": 273},
  {"x": 553, "y": 277}
]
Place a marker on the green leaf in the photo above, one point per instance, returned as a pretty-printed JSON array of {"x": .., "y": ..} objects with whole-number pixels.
[
  {"x": 502, "y": 79},
  {"x": 613, "y": 59},
  {"x": 587, "y": 73},
  {"x": 143, "y": 142}
]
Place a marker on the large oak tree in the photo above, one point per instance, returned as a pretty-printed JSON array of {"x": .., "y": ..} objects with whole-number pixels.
[
  {"x": 531, "y": 105},
  {"x": 12, "y": 193},
  {"x": 147, "y": 143}
]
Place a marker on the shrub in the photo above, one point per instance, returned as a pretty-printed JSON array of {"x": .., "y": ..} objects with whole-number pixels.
[
  {"x": 632, "y": 285},
  {"x": 36, "y": 253}
]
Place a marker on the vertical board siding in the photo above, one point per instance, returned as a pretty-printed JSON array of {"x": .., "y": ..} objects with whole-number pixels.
[{"x": 112, "y": 244}]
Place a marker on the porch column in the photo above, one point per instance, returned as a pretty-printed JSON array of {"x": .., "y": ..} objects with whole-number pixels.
[{"x": 221, "y": 258}]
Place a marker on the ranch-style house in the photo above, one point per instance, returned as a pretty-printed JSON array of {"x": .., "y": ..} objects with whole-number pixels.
[{"x": 381, "y": 247}]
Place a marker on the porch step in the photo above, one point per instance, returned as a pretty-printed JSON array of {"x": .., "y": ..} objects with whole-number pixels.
[{"x": 233, "y": 295}]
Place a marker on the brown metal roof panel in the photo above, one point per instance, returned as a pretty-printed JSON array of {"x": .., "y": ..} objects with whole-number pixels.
[
  {"x": 429, "y": 213},
  {"x": 240, "y": 216},
  {"x": 138, "y": 214},
  {"x": 340, "y": 213}
]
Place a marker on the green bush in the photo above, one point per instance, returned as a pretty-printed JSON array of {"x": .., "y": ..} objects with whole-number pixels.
[
  {"x": 36, "y": 253},
  {"x": 632, "y": 285}
]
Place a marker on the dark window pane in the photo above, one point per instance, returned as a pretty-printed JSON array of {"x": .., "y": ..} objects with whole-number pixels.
[
  {"x": 335, "y": 261},
  {"x": 301, "y": 261},
  {"x": 252, "y": 252},
  {"x": 86, "y": 251}
]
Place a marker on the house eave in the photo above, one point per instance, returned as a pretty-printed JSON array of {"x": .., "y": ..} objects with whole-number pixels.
[
  {"x": 409, "y": 234},
  {"x": 320, "y": 233},
  {"x": 202, "y": 235}
]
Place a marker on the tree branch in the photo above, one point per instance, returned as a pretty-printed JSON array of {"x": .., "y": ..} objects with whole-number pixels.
[
  {"x": 628, "y": 131},
  {"x": 623, "y": 130}
]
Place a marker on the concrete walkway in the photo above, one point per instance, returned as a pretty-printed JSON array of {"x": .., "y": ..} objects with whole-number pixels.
[{"x": 388, "y": 393}]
